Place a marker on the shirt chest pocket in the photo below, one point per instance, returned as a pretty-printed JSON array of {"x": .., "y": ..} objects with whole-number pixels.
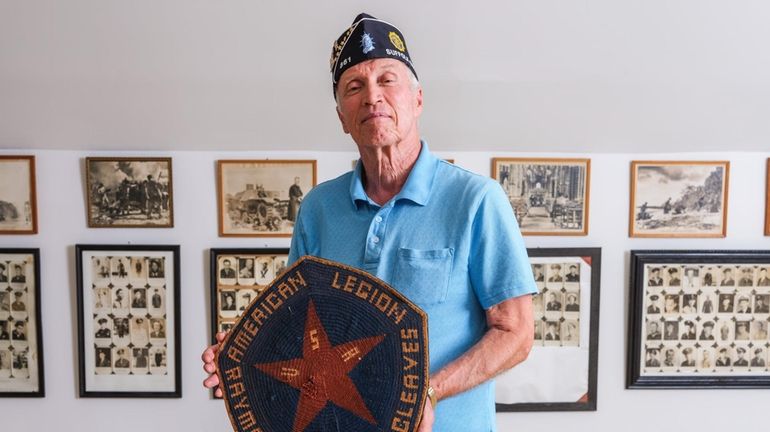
[{"x": 423, "y": 275}]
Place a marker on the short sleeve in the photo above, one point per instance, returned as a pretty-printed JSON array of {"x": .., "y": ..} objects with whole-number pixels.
[
  {"x": 298, "y": 248},
  {"x": 498, "y": 263}
]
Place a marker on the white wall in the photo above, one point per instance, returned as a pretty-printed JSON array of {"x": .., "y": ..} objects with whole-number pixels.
[{"x": 63, "y": 224}]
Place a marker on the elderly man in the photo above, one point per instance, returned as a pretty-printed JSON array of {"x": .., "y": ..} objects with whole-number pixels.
[{"x": 444, "y": 237}]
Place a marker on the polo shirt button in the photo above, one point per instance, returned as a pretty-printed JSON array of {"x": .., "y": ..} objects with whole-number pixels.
[
  {"x": 375, "y": 239},
  {"x": 378, "y": 219}
]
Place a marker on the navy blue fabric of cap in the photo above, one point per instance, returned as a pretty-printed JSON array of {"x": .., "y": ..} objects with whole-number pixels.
[{"x": 326, "y": 347}]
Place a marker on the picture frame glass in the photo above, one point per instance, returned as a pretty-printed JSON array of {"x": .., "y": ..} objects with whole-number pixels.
[
  {"x": 261, "y": 198},
  {"x": 21, "y": 356},
  {"x": 18, "y": 207},
  {"x": 548, "y": 196},
  {"x": 129, "y": 328},
  {"x": 129, "y": 192}
]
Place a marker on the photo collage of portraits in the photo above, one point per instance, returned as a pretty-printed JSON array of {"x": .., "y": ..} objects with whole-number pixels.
[
  {"x": 239, "y": 279},
  {"x": 706, "y": 318},
  {"x": 557, "y": 306},
  {"x": 17, "y": 314},
  {"x": 129, "y": 315}
]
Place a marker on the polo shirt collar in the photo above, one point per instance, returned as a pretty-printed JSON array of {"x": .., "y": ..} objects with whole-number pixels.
[{"x": 418, "y": 184}]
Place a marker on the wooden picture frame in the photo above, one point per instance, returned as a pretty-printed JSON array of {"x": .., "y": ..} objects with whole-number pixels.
[
  {"x": 261, "y": 198},
  {"x": 562, "y": 368},
  {"x": 129, "y": 338},
  {"x": 767, "y": 200},
  {"x": 129, "y": 192},
  {"x": 549, "y": 196},
  {"x": 699, "y": 319},
  {"x": 18, "y": 195},
  {"x": 21, "y": 329},
  {"x": 678, "y": 199}
]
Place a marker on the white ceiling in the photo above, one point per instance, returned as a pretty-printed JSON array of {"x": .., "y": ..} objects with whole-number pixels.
[{"x": 534, "y": 76}]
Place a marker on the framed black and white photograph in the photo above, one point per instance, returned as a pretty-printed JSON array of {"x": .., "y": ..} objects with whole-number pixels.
[
  {"x": 128, "y": 321},
  {"x": 560, "y": 373},
  {"x": 18, "y": 200},
  {"x": 128, "y": 192},
  {"x": 237, "y": 277},
  {"x": 707, "y": 329},
  {"x": 679, "y": 198},
  {"x": 548, "y": 196},
  {"x": 21, "y": 336},
  {"x": 261, "y": 198}
]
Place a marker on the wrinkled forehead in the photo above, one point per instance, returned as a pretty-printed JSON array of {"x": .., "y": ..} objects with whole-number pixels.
[{"x": 373, "y": 66}]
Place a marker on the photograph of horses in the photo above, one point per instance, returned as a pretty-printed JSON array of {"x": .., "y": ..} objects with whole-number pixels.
[
  {"x": 129, "y": 192},
  {"x": 679, "y": 198}
]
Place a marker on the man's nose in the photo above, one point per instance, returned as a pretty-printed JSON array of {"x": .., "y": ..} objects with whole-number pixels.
[{"x": 372, "y": 94}]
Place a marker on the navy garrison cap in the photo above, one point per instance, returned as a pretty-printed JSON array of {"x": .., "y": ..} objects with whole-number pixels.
[
  {"x": 326, "y": 347},
  {"x": 367, "y": 38}
]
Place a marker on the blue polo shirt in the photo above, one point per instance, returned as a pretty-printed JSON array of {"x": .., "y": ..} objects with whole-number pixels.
[{"x": 448, "y": 241}]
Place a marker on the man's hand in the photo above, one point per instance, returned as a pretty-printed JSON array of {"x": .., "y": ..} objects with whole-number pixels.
[
  {"x": 209, "y": 357},
  {"x": 426, "y": 424}
]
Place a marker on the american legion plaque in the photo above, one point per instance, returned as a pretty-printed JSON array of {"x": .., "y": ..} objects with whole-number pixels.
[{"x": 326, "y": 347}]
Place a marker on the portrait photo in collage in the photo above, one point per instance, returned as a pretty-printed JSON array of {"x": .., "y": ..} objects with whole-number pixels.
[
  {"x": 20, "y": 344},
  {"x": 238, "y": 277},
  {"x": 557, "y": 307},
  {"x": 128, "y": 302},
  {"x": 706, "y": 319}
]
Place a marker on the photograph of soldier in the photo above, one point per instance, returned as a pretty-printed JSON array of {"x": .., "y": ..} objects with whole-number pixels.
[
  {"x": 707, "y": 304},
  {"x": 264, "y": 269},
  {"x": 553, "y": 303},
  {"x": 279, "y": 263},
  {"x": 4, "y": 334},
  {"x": 554, "y": 274},
  {"x": 538, "y": 272},
  {"x": 552, "y": 331},
  {"x": 653, "y": 332},
  {"x": 157, "y": 270},
  {"x": 655, "y": 280},
  {"x": 742, "y": 330},
  {"x": 295, "y": 197},
  {"x": 740, "y": 357},
  {"x": 101, "y": 270},
  {"x": 727, "y": 277},
  {"x": 103, "y": 332},
  {"x": 744, "y": 305},
  {"x": 726, "y": 331},
  {"x": 690, "y": 304},
  {"x": 758, "y": 360},
  {"x": 763, "y": 279},
  {"x": 673, "y": 277},
  {"x": 102, "y": 298},
  {"x": 691, "y": 278},
  {"x": 5, "y": 301},
  {"x": 669, "y": 358},
  {"x": 139, "y": 331},
  {"x": 120, "y": 331},
  {"x": 227, "y": 300},
  {"x": 707, "y": 332},
  {"x": 570, "y": 333},
  {"x": 122, "y": 362},
  {"x": 18, "y": 274},
  {"x": 19, "y": 332},
  {"x": 244, "y": 298},
  {"x": 759, "y": 330},
  {"x": 747, "y": 277},
  {"x": 726, "y": 303},
  {"x": 103, "y": 358},
  {"x": 651, "y": 358},
  {"x": 157, "y": 357},
  {"x": 573, "y": 273},
  {"x": 3, "y": 273},
  {"x": 119, "y": 268},
  {"x": 537, "y": 304},
  {"x": 21, "y": 364},
  {"x": 671, "y": 304},
  {"x": 762, "y": 303},
  {"x": 246, "y": 268},
  {"x": 156, "y": 300},
  {"x": 138, "y": 298},
  {"x": 671, "y": 330},
  {"x": 572, "y": 302},
  {"x": 225, "y": 326},
  {"x": 18, "y": 304},
  {"x": 706, "y": 359},
  {"x": 129, "y": 192},
  {"x": 689, "y": 332},
  {"x": 709, "y": 280},
  {"x": 227, "y": 271},
  {"x": 121, "y": 299},
  {"x": 141, "y": 362},
  {"x": 654, "y": 305},
  {"x": 688, "y": 357},
  {"x": 157, "y": 328}
]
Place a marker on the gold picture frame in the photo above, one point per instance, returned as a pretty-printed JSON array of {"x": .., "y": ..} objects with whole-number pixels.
[
  {"x": 261, "y": 198},
  {"x": 549, "y": 196},
  {"x": 18, "y": 198},
  {"x": 671, "y": 199}
]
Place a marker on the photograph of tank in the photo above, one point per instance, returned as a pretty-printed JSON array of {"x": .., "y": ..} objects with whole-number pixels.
[
  {"x": 261, "y": 198},
  {"x": 548, "y": 196},
  {"x": 679, "y": 199}
]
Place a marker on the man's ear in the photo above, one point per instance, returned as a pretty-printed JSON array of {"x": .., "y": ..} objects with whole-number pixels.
[
  {"x": 342, "y": 121},
  {"x": 418, "y": 96}
]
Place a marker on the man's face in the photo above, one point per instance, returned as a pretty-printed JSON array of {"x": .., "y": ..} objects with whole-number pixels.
[{"x": 376, "y": 103}]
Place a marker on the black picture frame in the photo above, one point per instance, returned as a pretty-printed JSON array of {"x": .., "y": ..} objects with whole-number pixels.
[
  {"x": 30, "y": 316},
  {"x": 714, "y": 325},
  {"x": 591, "y": 258},
  {"x": 156, "y": 369}
]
